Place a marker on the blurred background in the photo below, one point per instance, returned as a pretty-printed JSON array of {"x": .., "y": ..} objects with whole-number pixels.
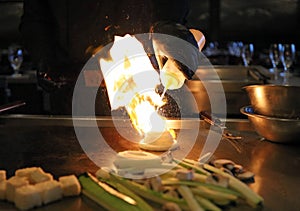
[
  {"x": 258, "y": 21},
  {"x": 226, "y": 24}
]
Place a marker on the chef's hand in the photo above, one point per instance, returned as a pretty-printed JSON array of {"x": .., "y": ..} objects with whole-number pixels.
[
  {"x": 199, "y": 37},
  {"x": 177, "y": 61}
]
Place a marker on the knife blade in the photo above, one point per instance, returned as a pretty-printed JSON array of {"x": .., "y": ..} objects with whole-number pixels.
[
  {"x": 112, "y": 191},
  {"x": 211, "y": 120},
  {"x": 223, "y": 129},
  {"x": 12, "y": 105}
]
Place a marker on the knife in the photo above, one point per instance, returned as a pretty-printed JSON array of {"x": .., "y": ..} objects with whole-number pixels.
[
  {"x": 225, "y": 133},
  {"x": 112, "y": 191},
  {"x": 11, "y": 105},
  {"x": 211, "y": 120}
]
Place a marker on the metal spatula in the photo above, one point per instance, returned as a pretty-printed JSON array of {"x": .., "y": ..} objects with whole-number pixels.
[{"x": 12, "y": 105}]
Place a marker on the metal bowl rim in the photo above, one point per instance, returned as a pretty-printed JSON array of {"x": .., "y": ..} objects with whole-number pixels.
[
  {"x": 270, "y": 85},
  {"x": 242, "y": 110}
]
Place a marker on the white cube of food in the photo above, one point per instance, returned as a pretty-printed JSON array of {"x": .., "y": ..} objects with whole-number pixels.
[
  {"x": 185, "y": 174},
  {"x": 24, "y": 172},
  {"x": 27, "y": 197},
  {"x": 50, "y": 191},
  {"x": 38, "y": 176},
  {"x": 2, "y": 175},
  {"x": 70, "y": 185},
  {"x": 12, "y": 184},
  {"x": 3, "y": 190},
  {"x": 34, "y": 174}
]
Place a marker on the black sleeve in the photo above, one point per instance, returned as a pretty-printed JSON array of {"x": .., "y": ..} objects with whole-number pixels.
[
  {"x": 171, "y": 10},
  {"x": 37, "y": 28}
]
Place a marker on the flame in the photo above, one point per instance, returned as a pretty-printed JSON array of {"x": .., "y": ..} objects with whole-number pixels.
[
  {"x": 128, "y": 71},
  {"x": 131, "y": 80},
  {"x": 143, "y": 113}
]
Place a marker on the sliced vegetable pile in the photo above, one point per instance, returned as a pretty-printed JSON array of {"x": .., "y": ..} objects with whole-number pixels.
[{"x": 187, "y": 186}]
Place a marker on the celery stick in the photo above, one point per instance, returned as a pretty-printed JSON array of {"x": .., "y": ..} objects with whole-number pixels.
[
  {"x": 199, "y": 177},
  {"x": 102, "y": 197},
  {"x": 173, "y": 181},
  {"x": 111, "y": 179},
  {"x": 140, "y": 202},
  {"x": 223, "y": 202},
  {"x": 190, "y": 199},
  {"x": 191, "y": 166},
  {"x": 208, "y": 205},
  {"x": 213, "y": 194},
  {"x": 149, "y": 194}
]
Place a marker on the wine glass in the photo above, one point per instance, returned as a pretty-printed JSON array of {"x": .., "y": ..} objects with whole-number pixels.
[
  {"x": 287, "y": 58},
  {"x": 15, "y": 57},
  {"x": 274, "y": 55},
  {"x": 289, "y": 54},
  {"x": 247, "y": 53},
  {"x": 211, "y": 49},
  {"x": 234, "y": 48}
]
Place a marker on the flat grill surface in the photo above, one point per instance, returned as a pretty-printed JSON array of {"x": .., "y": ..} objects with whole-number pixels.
[{"x": 51, "y": 143}]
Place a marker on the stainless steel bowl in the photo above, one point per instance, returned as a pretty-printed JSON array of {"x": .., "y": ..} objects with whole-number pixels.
[
  {"x": 275, "y": 100},
  {"x": 273, "y": 129}
]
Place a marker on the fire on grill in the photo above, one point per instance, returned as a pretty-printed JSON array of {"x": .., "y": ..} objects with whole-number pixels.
[{"x": 131, "y": 81}]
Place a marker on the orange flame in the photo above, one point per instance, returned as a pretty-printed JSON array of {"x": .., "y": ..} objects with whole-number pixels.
[
  {"x": 143, "y": 113},
  {"x": 131, "y": 83}
]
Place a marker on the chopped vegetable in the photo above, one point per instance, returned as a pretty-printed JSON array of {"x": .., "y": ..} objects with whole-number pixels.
[
  {"x": 188, "y": 165},
  {"x": 213, "y": 194},
  {"x": 207, "y": 204},
  {"x": 250, "y": 196},
  {"x": 150, "y": 194},
  {"x": 110, "y": 202},
  {"x": 173, "y": 181},
  {"x": 188, "y": 186},
  {"x": 190, "y": 199}
]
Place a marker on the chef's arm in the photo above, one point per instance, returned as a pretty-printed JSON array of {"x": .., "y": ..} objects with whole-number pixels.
[
  {"x": 177, "y": 52},
  {"x": 38, "y": 30}
]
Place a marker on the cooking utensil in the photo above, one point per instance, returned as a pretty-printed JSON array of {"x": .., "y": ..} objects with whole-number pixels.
[
  {"x": 211, "y": 120},
  {"x": 217, "y": 122},
  {"x": 112, "y": 191},
  {"x": 275, "y": 100},
  {"x": 271, "y": 128},
  {"x": 12, "y": 105},
  {"x": 222, "y": 129}
]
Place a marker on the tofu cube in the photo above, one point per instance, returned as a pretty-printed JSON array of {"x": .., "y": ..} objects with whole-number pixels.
[
  {"x": 2, "y": 175},
  {"x": 70, "y": 185},
  {"x": 38, "y": 176},
  {"x": 12, "y": 184},
  {"x": 185, "y": 174},
  {"x": 25, "y": 172},
  {"x": 3, "y": 190},
  {"x": 34, "y": 174},
  {"x": 49, "y": 191},
  {"x": 27, "y": 197}
]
